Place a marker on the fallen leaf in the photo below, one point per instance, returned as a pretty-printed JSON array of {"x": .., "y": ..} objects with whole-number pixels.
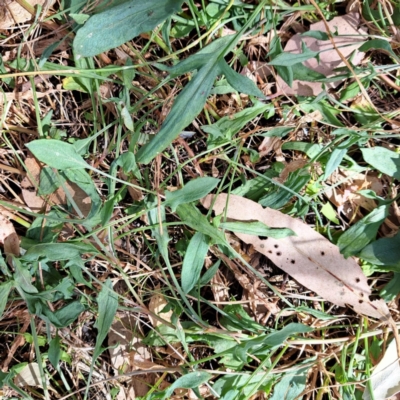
[
  {"x": 308, "y": 257},
  {"x": 29, "y": 376},
  {"x": 349, "y": 40},
  {"x": 127, "y": 353},
  {"x": 8, "y": 237},
  {"x": 385, "y": 379},
  {"x": 12, "y": 13},
  {"x": 156, "y": 306},
  {"x": 29, "y": 191}
]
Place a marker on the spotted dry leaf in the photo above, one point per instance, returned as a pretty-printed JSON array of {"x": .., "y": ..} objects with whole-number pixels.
[{"x": 308, "y": 257}]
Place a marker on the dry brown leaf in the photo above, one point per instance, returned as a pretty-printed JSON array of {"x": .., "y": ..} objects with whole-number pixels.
[
  {"x": 29, "y": 376},
  {"x": 136, "y": 194},
  {"x": 127, "y": 353},
  {"x": 308, "y": 257},
  {"x": 269, "y": 144},
  {"x": 329, "y": 59},
  {"x": 8, "y": 237},
  {"x": 11, "y": 12},
  {"x": 156, "y": 306},
  {"x": 35, "y": 202}
]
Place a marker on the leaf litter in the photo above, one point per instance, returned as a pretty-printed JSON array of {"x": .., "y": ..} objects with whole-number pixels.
[{"x": 308, "y": 257}]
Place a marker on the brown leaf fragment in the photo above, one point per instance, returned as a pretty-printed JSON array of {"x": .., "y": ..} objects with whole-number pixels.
[
  {"x": 8, "y": 237},
  {"x": 349, "y": 40},
  {"x": 308, "y": 257}
]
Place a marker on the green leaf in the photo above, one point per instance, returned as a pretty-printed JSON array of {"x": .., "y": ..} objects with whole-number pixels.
[
  {"x": 85, "y": 182},
  {"x": 117, "y": 25},
  {"x": 56, "y": 154},
  {"x": 64, "y": 316},
  {"x": 236, "y": 318},
  {"x": 210, "y": 273},
  {"x": 240, "y": 82},
  {"x": 379, "y": 44},
  {"x": 385, "y": 251},
  {"x": 192, "y": 217},
  {"x": 362, "y": 232},
  {"x": 291, "y": 385},
  {"x": 189, "y": 381},
  {"x": 279, "y": 131},
  {"x": 392, "y": 289},
  {"x": 57, "y": 251},
  {"x": 319, "y": 35},
  {"x": 226, "y": 128},
  {"x": 55, "y": 351},
  {"x": 209, "y": 62},
  {"x": 257, "y": 228},
  {"x": 277, "y": 338},
  {"x": 383, "y": 160},
  {"x": 48, "y": 181},
  {"x": 5, "y": 289},
  {"x": 193, "y": 261},
  {"x": 290, "y": 59},
  {"x": 108, "y": 304},
  {"x": 192, "y": 191}
]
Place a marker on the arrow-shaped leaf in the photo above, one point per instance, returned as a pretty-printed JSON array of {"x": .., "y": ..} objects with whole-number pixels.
[{"x": 209, "y": 63}]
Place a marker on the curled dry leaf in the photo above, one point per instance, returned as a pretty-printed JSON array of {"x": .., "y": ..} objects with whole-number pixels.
[
  {"x": 308, "y": 257},
  {"x": 349, "y": 40}
]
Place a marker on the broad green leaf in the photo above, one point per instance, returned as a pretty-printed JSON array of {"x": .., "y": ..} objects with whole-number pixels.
[
  {"x": 193, "y": 261},
  {"x": 192, "y": 191},
  {"x": 385, "y": 251},
  {"x": 48, "y": 181},
  {"x": 23, "y": 278},
  {"x": 57, "y": 251},
  {"x": 56, "y": 154},
  {"x": 5, "y": 289},
  {"x": 55, "y": 351},
  {"x": 191, "y": 380},
  {"x": 291, "y": 385},
  {"x": 257, "y": 228},
  {"x": 192, "y": 217},
  {"x": 362, "y": 232},
  {"x": 379, "y": 44},
  {"x": 286, "y": 59},
  {"x": 117, "y": 25},
  {"x": 285, "y": 72},
  {"x": 392, "y": 289},
  {"x": 334, "y": 161},
  {"x": 319, "y": 35},
  {"x": 108, "y": 304},
  {"x": 383, "y": 160},
  {"x": 64, "y": 316}
]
